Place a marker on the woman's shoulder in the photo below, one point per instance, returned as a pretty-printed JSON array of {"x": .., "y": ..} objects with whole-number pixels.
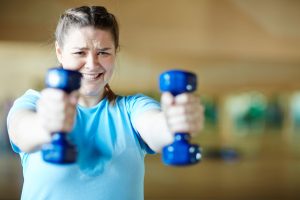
[
  {"x": 32, "y": 92},
  {"x": 29, "y": 95},
  {"x": 132, "y": 97},
  {"x": 137, "y": 100}
]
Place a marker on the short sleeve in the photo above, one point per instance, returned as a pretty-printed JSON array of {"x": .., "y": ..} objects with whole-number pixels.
[
  {"x": 26, "y": 101},
  {"x": 136, "y": 105}
]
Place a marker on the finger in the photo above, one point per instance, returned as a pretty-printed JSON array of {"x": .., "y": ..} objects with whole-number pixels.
[
  {"x": 185, "y": 128},
  {"x": 190, "y": 124},
  {"x": 52, "y": 111},
  {"x": 167, "y": 99},
  {"x": 55, "y": 125},
  {"x": 194, "y": 120},
  {"x": 183, "y": 109},
  {"x": 53, "y": 94},
  {"x": 50, "y": 125},
  {"x": 185, "y": 98},
  {"x": 56, "y": 116},
  {"x": 179, "y": 110},
  {"x": 190, "y": 118}
]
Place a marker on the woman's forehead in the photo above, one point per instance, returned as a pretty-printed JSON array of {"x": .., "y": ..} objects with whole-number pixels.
[{"x": 89, "y": 36}]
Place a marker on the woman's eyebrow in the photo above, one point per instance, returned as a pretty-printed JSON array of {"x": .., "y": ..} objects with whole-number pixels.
[{"x": 104, "y": 49}]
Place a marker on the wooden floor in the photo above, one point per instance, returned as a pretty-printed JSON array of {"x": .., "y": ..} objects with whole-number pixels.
[
  {"x": 268, "y": 168},
  {"x": 215, "y": 179},
  {"x": 273, "y": 173}
]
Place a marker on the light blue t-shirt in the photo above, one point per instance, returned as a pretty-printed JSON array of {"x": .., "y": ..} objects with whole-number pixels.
[{"x": 111, "y": 154}]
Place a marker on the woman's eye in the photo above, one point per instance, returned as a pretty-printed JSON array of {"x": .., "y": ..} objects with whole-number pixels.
[
  {"x": 79, "y": 53},
  {"x": 103, "y": 53}
]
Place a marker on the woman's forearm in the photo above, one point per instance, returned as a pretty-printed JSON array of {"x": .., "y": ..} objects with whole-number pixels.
[
  {"x": 153, "y": 128},
  {"x": 26, "y": 132}
]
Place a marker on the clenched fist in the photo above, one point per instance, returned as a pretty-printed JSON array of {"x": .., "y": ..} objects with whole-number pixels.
[
  {"x": 184, "y": 113},
  {"x": 56, "y": 110}
]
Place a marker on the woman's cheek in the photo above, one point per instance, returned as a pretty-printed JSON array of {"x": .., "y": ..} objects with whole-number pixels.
[{"x": 73, "y": 65}]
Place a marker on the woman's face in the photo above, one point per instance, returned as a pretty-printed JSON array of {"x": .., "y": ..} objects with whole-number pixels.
[{"x": 92, "y": 52}]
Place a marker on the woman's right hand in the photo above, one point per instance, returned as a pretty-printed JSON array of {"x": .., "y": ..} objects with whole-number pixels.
[{"x": 56, "y": 110}]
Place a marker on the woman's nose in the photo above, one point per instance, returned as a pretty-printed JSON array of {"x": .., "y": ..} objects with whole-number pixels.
[{"x": 92, "y": 61}]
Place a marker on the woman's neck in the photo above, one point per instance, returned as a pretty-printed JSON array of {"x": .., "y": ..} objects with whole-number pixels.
[{"x": 90, "y": 101}]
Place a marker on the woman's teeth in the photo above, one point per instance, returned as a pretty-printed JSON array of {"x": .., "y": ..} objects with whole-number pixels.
[{"x": 91, "y": 76}]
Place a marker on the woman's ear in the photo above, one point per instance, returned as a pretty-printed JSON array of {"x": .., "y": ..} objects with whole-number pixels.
[{"x": 58, "y": 51}]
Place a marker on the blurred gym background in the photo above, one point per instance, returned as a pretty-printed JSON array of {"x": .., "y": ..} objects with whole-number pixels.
[{"x": 246, "y": 54}]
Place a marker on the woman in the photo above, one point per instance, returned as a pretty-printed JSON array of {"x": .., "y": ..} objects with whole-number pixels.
[{"x": 112, "y": 133}]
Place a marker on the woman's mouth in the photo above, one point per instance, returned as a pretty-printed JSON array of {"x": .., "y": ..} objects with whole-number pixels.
[{"x": 91, "y": 77}]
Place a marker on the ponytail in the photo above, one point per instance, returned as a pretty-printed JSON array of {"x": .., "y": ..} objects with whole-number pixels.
[{"x": 110, "y": 95}]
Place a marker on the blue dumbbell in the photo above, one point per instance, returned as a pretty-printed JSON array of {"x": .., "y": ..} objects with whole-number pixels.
[
  {"x": 60, "y": 150},
  {"x": 180, "y": 152}
]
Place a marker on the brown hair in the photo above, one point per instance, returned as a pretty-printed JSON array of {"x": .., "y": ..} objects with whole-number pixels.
[{"x": 95, "y": 16}]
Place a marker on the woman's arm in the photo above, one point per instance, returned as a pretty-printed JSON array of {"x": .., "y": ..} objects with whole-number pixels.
[
  {"x": 29, "y": 129},
  {"x": 183, "y": 113},
  {"x": 26, "y": 132},
  {"x": 152, "y": 127}
]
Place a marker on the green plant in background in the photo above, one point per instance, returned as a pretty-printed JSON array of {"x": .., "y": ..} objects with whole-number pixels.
[
  {"x": 295, "y": 113},
  {"x": 249, "y": 117},
  {"x": 210, "y": 113},
  {"x": 274, "y": 114}
]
